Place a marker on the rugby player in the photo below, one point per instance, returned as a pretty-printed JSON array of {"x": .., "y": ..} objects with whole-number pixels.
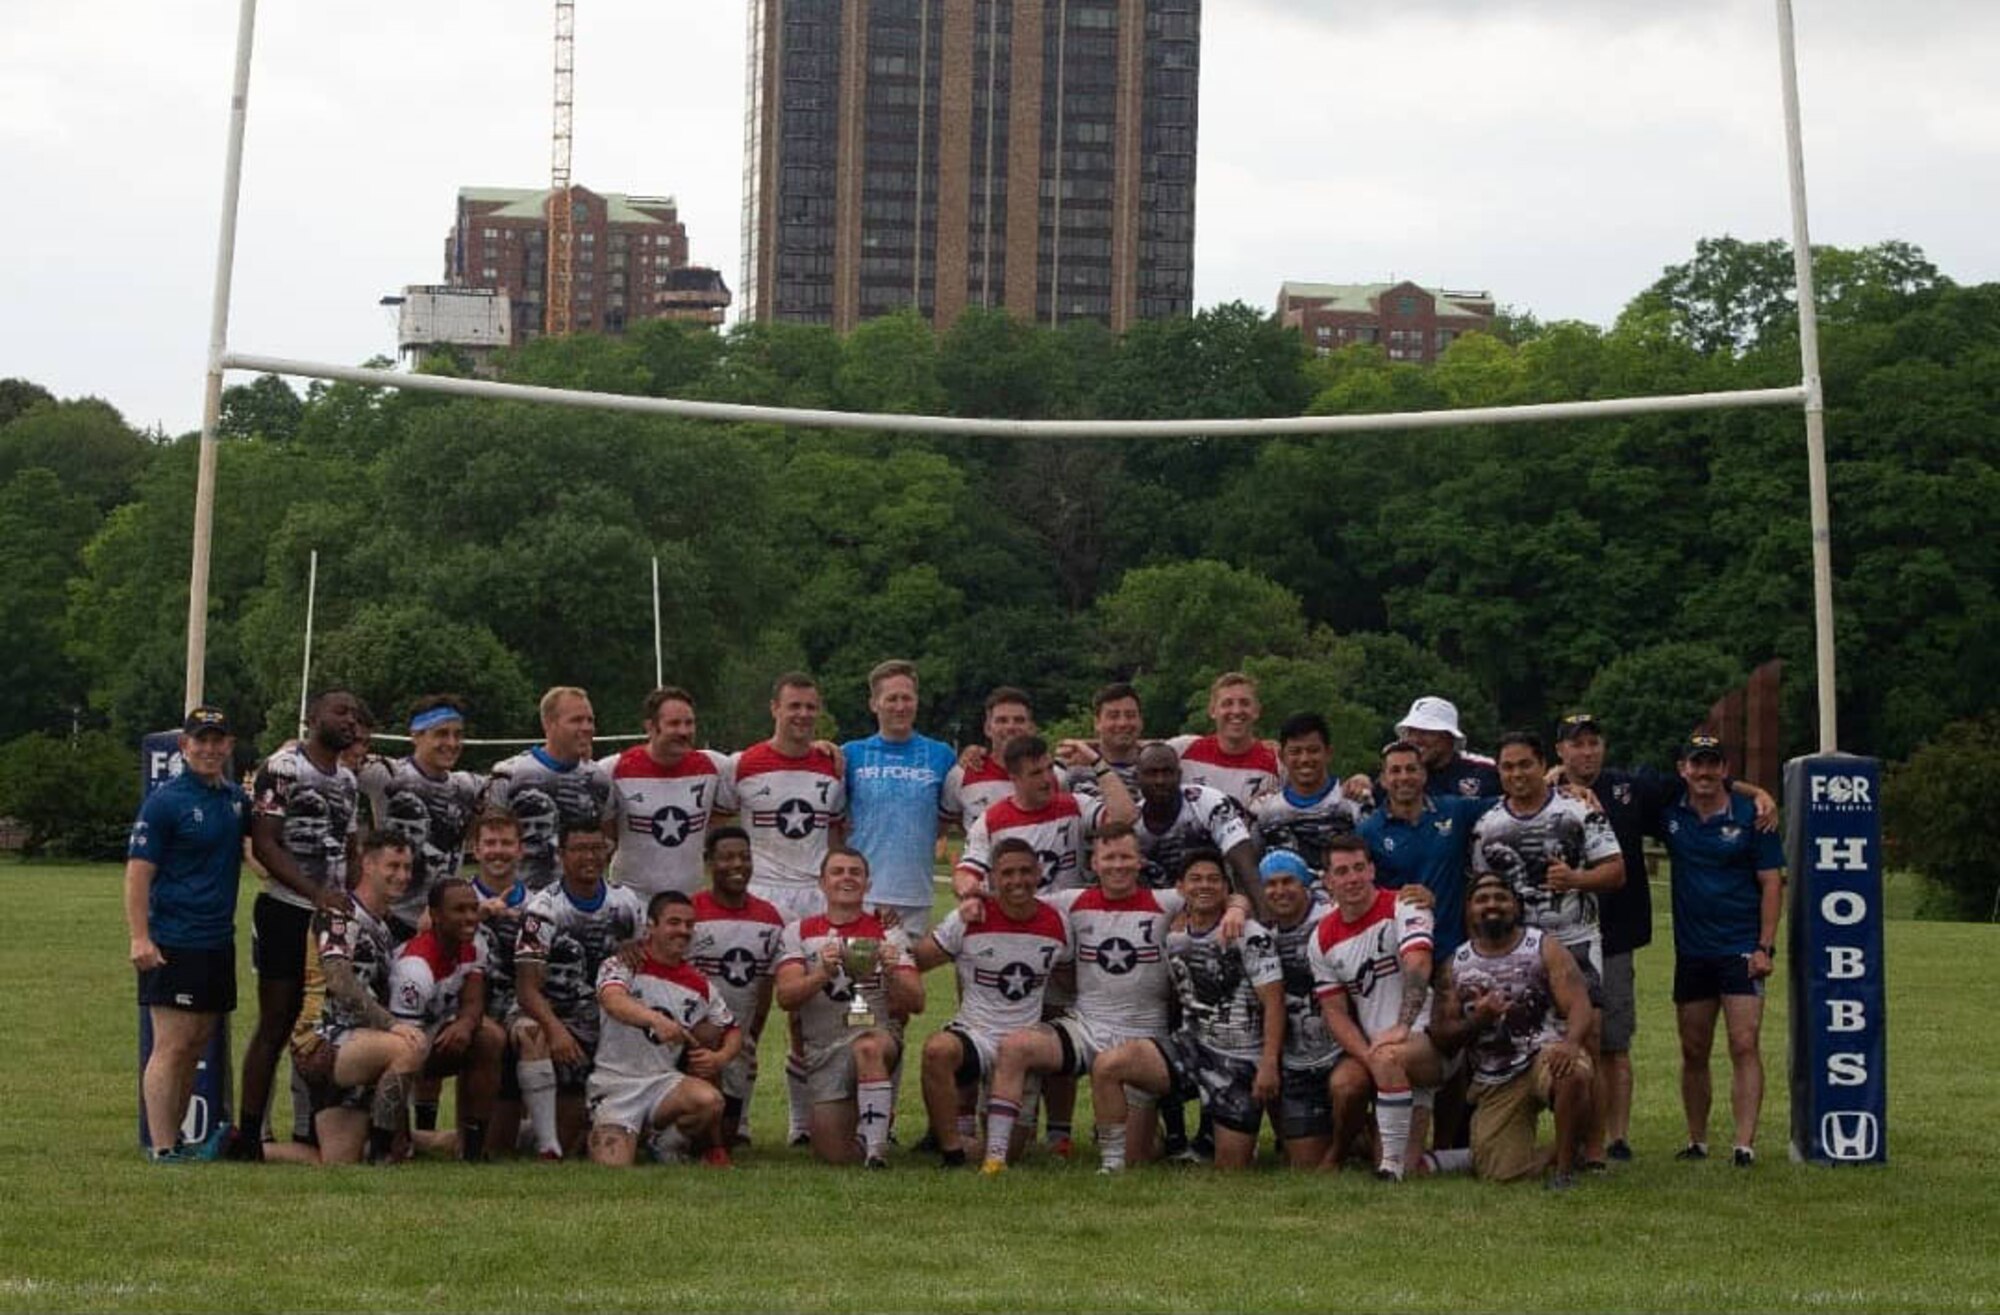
[
  {"x": 567, "y": 931},
  {"x": 895, "y": 798},
  {"x": 847, "y": 1068},
  {"x": 1312, "y": 807},
  {"x": 438, "y": 983},
  {"x": 792, "y": 799},
  {"x": 1371, "y": 967},
  {"x": 1418, "y": 838},
  {"x": 359, "y": 1061},
  {"x": 1231, "y": 759},
  {"x": 666, "y": 1036},
  {"x": 302, "y": 834},
  {"x": 1175, "y": 817},
  {"x": 1303, "y": 1116},
  {"x": 979, "y": 780},
  {"x": 1506, "y": 999},
  {"x": 1728, "y": 890},
  {"x": 1119, "y": 724},
  {"x": 527, "y": 1076},
  {"x": 426, "y": 799},
  {"x": 182, "y": 868},
  {"x": 1432, "y": 725},
  {"x": 555, "y": 786},
  {"x": 1005, "y": 947},
  {"x": 735, "y": 946},
  {"x": 1053, "y": 823},
  {"x": 668, "y": 793},
  {"x": 1229, "y": 1051}
]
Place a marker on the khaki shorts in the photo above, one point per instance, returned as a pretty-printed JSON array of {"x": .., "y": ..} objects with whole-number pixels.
[
  {"x": 1504, "y": 1118},
  {"x": 830, "y": 1073}
]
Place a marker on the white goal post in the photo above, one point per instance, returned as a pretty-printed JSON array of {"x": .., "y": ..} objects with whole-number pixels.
[{"x": 1807, "y": 394}]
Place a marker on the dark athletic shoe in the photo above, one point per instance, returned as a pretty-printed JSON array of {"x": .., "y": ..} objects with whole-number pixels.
[
  {"x": 1694, "y": 1150},
  {"x": 1620, "y": 1150}
]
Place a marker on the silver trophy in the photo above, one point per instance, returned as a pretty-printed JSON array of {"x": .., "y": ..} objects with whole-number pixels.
[{"x": 858, "y": 960}]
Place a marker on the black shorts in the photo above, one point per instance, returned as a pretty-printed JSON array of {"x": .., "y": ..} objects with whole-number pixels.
[
  {"x": 278, "y": 933},
  {"x": 1712, "y": 976},
  {"x": 1222, "y": 1083},
  {"x": 199, "y": 981},
  {"x": 1305, "y": 1105},
  {"x": 971, "y": 1064}
]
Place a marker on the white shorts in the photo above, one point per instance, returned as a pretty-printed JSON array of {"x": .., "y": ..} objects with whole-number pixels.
[
  {"x": 1085, "y": 1041},
  {"x": 794, "y": 903},
  {"x": 628, "y": 1103}
]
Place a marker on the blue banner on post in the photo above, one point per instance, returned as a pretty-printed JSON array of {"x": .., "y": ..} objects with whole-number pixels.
[
  {"x": 160, "y": 762},
  {"x": 1839, "y": 1027}
]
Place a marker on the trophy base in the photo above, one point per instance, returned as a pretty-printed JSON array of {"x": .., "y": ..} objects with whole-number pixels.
[{"x": 861, "y": 1020}]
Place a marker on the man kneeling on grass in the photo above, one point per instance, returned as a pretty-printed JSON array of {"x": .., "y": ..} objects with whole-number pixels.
[
  {"x": 1511, "y": 998},
  {"x": 656, "y": 1016},
  {"x": 438, "y": 984}
]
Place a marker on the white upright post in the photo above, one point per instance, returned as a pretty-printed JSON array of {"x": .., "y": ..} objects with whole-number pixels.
[
  {"x": 659, "y": 652},
  {"x": 305, "y": 671},
  {"x": 1815, "y": 403},
  {"x": 218, "y": 346}
]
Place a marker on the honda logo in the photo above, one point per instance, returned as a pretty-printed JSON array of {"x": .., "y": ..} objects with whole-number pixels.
[{"x": 1850, "y": 1135}]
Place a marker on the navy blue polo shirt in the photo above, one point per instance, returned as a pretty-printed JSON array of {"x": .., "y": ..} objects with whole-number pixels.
[
  {"x": 1632, "y": 802},
  {"x": 1430, "y": 852},
  {"x": 192, "y": 832},
  {"x": 1717, "y": 901}
]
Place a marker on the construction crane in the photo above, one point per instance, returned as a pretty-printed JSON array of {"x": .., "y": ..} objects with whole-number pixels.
[{"x": 556, "y": 309}]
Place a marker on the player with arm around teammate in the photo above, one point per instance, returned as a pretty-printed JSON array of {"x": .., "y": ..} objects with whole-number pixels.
[
  {"x": 847, "y": 1060},
  {"x": 1229, "y": 1051},
  {"x": 735, "y": 946},
  {"x": 654, "y": 1017}
]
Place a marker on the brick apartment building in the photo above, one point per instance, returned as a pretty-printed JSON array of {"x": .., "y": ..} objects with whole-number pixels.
[
  {"x": 631, "y": 258},
  {"x": 940, "y": 154},
  {"x": 1409, "y": 322}
]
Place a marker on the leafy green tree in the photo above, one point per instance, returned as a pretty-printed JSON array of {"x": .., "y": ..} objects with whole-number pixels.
[
  {"x": 75, "y": 796},
  {"x": 42, "y": 533},
  {"x": 392, "y": 653},
  {"x": 18, "y": 396},
  {"x": 1651, "y": 699},
  {"x": 1935, "y": 810},
  {"x": 86, "y": 443},
  {"x": 264, "y": 408}
]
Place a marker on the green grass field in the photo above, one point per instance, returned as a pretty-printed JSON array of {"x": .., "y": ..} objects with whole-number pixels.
[{"x": 85, "y": 1224}]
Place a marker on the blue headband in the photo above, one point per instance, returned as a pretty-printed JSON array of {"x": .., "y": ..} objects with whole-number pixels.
[
  {"x": 1284, "y": 863},
  {"x": 434, "y": 717}
]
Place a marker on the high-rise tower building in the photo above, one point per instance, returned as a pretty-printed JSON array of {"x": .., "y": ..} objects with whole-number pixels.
[{"x": 1032, "y": 154}]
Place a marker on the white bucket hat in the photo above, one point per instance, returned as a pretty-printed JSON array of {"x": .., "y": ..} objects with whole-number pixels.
[{"x": 1431, "y": 713}]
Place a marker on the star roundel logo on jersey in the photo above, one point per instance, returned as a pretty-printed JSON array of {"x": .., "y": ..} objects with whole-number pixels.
[
  {"x": 1016, "y": 981},
  {"x": 1052, "y": 864},
  {"x": 795, "y": 819},
  {"x": 739, "y": 966},
  {"x": 1117, "y": 956},
  {"x": 671, "y": 825}
]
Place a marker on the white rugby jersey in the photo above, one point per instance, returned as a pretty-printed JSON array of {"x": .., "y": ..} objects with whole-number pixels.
[
  {"x": 1059, "y": 831},
  {"x": 1206, "y": 817},
  {"x": 1362, "y": 961},
  {"x": 1505, "y": 1048},
  {"x": 735, "y": 948},
  {"x": 1521, "y": 848},
  {"x": 1241, "y": 776},
  {"x": 1309, "y": 1043},
  {"x": 1003, "y": 965},
  {"x": 1218, "y": 984},
  {"x": 431, "y": 812},
  {"x": 572, "y": 939},
  {"x": 664, "y": 814},
  {"x": 823, "y": 1017},
  {"x": 543, "y": 794},
  {"x": 678, "y": 991},
  {"x": 1284, "y": 820},
  {"x": 967, "y": 795},
  {"x": 317, "y": 811},
  {"x": 1121, "y": 958},
  {"x": 427, "y": 981},
  {"x": 787, "y": 804}
]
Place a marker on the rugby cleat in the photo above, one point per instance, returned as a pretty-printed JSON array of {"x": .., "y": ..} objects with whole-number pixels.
[{"x": 992, "y": 1168}]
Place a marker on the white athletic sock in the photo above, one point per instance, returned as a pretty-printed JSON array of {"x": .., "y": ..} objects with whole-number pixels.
[
  {"x": 1392, "y": 1121},
  {"x": 874, "y": 1101},
  {"x": 1000, "y": 1116},
  {"x": 968, "y": 1127},
  {"x": 796, "y": 1095},
  {"x": 1111, "y": 1144},
  {"x": 538, "y": 1097},
  {"x": 1458, "y": 1161}
]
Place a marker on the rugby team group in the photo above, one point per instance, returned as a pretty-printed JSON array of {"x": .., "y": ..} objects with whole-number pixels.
[{"x": 1403, "y": 971}]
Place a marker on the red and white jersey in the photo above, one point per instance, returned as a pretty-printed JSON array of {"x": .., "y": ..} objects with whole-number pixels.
[
  {"x": 823, "y": 1017},
  {"x": 735, "y": 948},
  {"x": 1363, "y": 960},
  {"x": 1004, "y": 965},
  {"x": 427, "y": 981},
  {"x": 664, "y": 814},
  {"x": 967, "y": 795},
  {"x": 1206, "y": 817},
  {"x": 1242, "y": 776},
  {"x": 1122, "y": 983},
  {"x": 680, "y": 992},
  {"x": 786, "y": 805},
  {"x": 1059, "y": 831}
]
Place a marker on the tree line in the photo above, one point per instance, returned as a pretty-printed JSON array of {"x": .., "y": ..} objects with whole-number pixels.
[{"x": 1638, "y": 566}]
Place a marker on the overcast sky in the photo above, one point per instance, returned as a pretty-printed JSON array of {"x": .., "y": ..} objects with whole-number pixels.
[{"x": 1556, "y": 152}]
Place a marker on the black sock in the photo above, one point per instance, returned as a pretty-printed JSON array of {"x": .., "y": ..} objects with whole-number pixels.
[
  {"x": 471, "y": 1139},
  {"x": 380, "y": 1142},
  {"x": 427, "y": 1115},
  {"x": 952, "y": 1159},
  {"x": 1174, "y": 1115}
]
